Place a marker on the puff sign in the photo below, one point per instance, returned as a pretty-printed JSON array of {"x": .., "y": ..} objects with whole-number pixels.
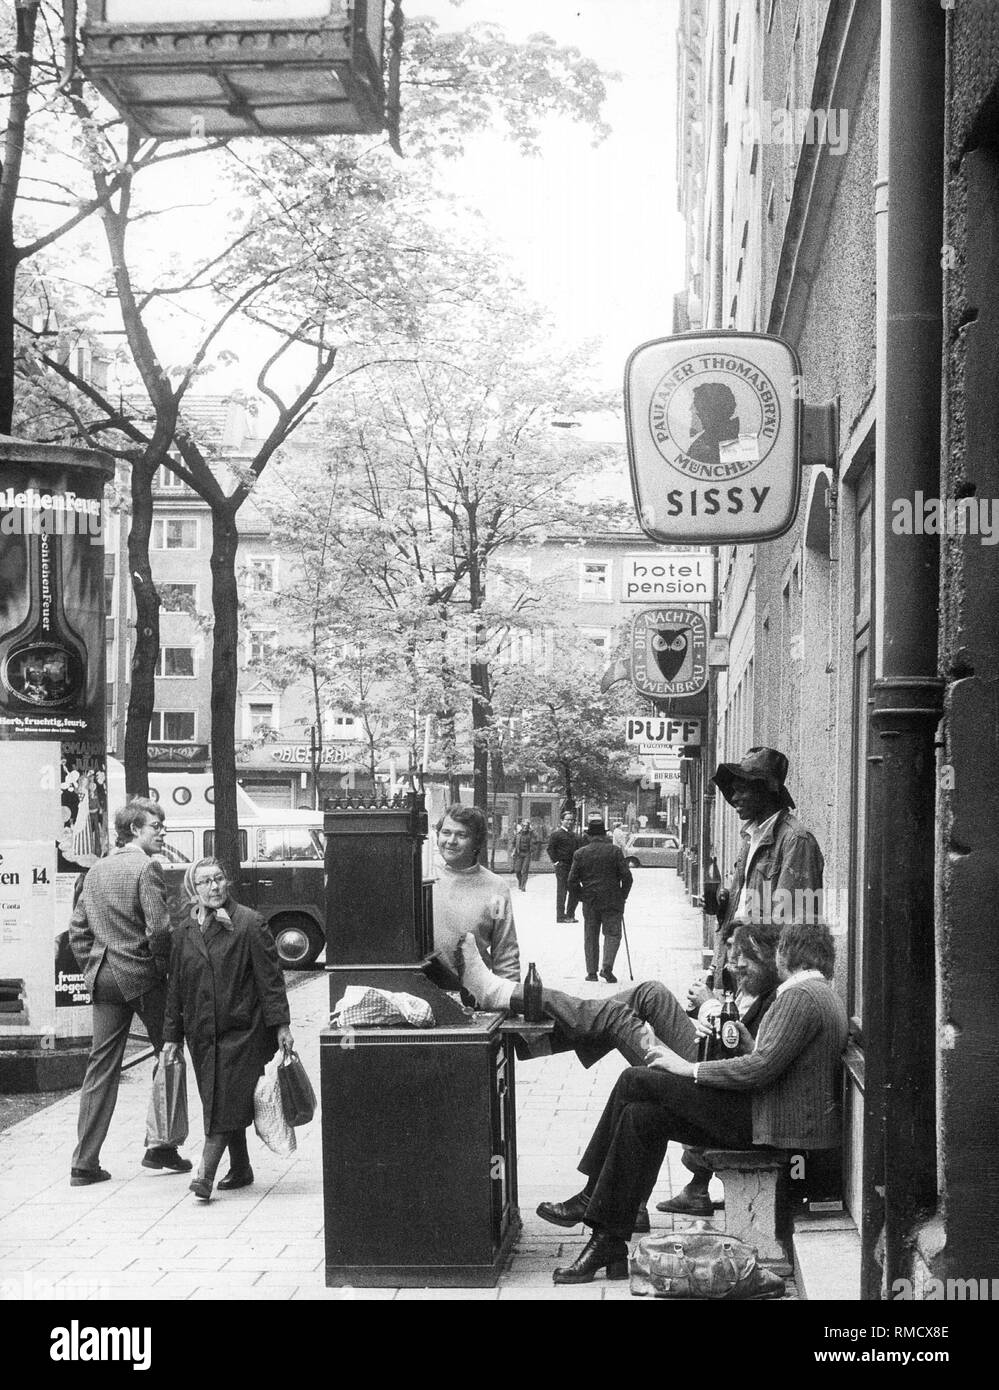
[{"x": 714, "y": 423}]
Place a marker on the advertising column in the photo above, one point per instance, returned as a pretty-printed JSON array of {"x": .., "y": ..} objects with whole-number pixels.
[{"x": 53, "y": 792}]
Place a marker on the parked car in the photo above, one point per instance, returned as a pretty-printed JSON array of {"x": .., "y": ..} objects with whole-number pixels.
[{"x": 651, "y": 849}]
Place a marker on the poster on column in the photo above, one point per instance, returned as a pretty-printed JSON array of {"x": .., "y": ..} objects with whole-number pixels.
[{"x": 51, "y": 593}]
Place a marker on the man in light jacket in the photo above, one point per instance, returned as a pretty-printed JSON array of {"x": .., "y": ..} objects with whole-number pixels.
[{"x": 120, "y": 936}]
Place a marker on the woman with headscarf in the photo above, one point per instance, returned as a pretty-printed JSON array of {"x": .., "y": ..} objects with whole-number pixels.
[{"x": 226, "y": 998}]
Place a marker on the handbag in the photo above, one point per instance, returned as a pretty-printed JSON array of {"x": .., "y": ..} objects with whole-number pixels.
[
  {"x": 268, "y": 1112},
  {"x": 700, "y": 1264},
  {"x": 297, "y": 1096},
  {"x": 166, "y": 1122}
]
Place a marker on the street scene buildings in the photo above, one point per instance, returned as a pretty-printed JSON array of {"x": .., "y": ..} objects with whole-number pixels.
[{"x": 370, "y": 532}]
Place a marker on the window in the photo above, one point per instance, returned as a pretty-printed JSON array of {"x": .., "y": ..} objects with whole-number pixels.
[
  {"x": 262, "y": 574},
  {"x": 594, "y": 581},
  {"x": 210, "y": 845},
  {"x": 175, "y": 661},
  {"x": 165, "y": 480},
  {"x": 109, "y": 595},
  {"x": 179, "y": 848},
  {"x": 343, "y": 726},
  {"x": 261, "y": 718},
  {"x": 172, "y": 726},
  {"x": 262, "y": 640},
  {"x": 175, "y": 534},
  {"x": 297, "y": 844},
  {"x": 598, "y": 637},
  {"x": 178, "y": 598}
]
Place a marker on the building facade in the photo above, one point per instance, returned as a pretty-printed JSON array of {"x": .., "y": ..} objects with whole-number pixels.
[{"x": 834, "y": 199}]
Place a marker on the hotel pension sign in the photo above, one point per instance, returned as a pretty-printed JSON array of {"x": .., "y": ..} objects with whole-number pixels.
[{"x": 714, "y": 427}]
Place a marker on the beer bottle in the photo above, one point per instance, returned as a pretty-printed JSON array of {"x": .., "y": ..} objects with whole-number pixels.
[
  {"x": 532, "y": 995},
  {"x": 728, "y": 1020},
  {"x": 708, "y": 1046}
]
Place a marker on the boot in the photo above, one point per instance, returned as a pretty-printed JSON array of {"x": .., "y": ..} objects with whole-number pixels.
[
  {"x": 603, "y": 1251},
  {"x": 693, "y": 1200}
]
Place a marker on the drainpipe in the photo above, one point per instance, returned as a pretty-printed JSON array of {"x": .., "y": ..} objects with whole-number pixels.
[
  {"x": 717, "y": 321},
  {"x": 899, "y": 1018}
]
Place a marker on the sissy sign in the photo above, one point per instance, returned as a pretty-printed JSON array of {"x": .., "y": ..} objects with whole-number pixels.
[{"x": 713, "y": 424}]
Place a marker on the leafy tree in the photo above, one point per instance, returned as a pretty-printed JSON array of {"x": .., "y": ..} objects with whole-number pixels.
[{"x": 328, "y": 261}]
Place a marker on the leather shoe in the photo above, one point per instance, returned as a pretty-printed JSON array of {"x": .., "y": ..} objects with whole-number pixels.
[
  {"x": 233, "y": 1180},
  {"x": 687, "y": 1203},
  {"x": 83, "y": 1177},
  {"x": 167, "y": 1158},
  {"x": 592, "y": 977},
  {"x": 202, "y": 1189},
  {"x": 602, "y": 1251},
  {"x": 569, "y": 1213},
  {"x": 609, "y": 976},
  {"x": 642, "y": 1225}
]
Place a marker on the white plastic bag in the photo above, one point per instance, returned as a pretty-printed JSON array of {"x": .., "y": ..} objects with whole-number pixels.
[{"x": 268, "y": 1112}]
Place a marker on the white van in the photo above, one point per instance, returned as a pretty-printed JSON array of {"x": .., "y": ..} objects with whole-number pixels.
[{"x": 281, "y": 854}]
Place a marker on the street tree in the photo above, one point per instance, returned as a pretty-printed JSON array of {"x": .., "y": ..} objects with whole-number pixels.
[
  {"x": 228, "y": 280},
  {"x": 454, "y": 459}
]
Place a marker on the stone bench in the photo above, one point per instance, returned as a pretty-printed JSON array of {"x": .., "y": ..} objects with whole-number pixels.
[{"x": 755, "y": 1204}]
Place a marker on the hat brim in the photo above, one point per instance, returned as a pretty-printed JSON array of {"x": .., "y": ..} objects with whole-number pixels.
[{"x": 726, "y": 773}]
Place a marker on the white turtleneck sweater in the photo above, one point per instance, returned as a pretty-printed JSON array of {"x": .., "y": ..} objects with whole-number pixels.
[{"x": 478, "y": 901}]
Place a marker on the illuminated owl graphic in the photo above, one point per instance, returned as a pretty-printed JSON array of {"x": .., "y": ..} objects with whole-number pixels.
[{"x": 670, "y": 647}]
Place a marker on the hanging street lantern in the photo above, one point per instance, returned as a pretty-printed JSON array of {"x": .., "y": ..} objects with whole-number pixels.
[{"x": 240, "y": 67}]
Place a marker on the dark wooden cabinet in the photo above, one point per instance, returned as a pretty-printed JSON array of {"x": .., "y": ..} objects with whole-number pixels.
[{"x": 419, "y": 1154}]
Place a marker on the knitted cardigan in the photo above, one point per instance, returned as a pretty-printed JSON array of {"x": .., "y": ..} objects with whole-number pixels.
[{"x": 794, "y": 1071}]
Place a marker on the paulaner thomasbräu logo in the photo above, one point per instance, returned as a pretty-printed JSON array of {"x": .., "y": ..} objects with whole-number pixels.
[
  {"x": 715, "y": 416},
  {"x": 713, "y": 421}
]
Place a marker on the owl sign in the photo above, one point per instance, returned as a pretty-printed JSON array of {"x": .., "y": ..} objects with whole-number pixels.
[
  {"x": 669, "y": 652},
  {"x": 714, "y": 423}
]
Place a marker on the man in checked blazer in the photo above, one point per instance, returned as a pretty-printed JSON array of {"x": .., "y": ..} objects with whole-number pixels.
[{"x": 120, "y": 935}]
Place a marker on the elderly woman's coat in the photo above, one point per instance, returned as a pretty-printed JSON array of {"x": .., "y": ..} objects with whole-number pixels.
[{"x": 226, "y": 998}]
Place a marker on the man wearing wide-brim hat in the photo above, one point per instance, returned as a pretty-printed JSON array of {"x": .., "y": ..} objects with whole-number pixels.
[{"x": 778, "y": 875}]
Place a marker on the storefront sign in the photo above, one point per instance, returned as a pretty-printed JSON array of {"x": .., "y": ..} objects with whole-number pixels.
[
  {"x": 713, "y": 422},
  {"x": 655, "y": 730},
  {"x": 688, "y": 576},
  {"x": 669, "y": 652}
]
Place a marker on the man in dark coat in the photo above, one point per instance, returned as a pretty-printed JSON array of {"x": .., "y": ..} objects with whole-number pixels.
[
  {"x": 603, "y": 881},
  {"x": 521, "y": 851},
  {"x": 120, "y": 936},
  {"x": 227, "y": 1000},
  {"x": 562, "y": 845}
]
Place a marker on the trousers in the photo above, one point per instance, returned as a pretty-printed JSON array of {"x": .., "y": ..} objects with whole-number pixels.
[
  {"x": 645, "y": 1110},
  {"x": 610, "y": 919},
  {"x": 594, "y": 1027},
  {"x": 112, "y": 1019},
  {"x": 566, "y": 900},
  {"x": 522, "y": 868}
]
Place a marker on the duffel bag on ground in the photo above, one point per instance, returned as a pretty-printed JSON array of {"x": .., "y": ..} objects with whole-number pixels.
[{"x": 700, "y": 1264}]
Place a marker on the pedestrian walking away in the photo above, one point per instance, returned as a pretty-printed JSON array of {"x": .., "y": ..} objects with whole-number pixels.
[
  {"x": 603, "y": 881},
  {"x": 227, "y": 1001},
  {"x": 120, "y": 936},
  {"x": 522, "y": 843},
  {"x": 562, "y": 845}
]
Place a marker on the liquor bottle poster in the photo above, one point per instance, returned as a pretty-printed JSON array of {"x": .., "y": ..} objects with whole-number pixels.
[{"x": 51, "y": 592}]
